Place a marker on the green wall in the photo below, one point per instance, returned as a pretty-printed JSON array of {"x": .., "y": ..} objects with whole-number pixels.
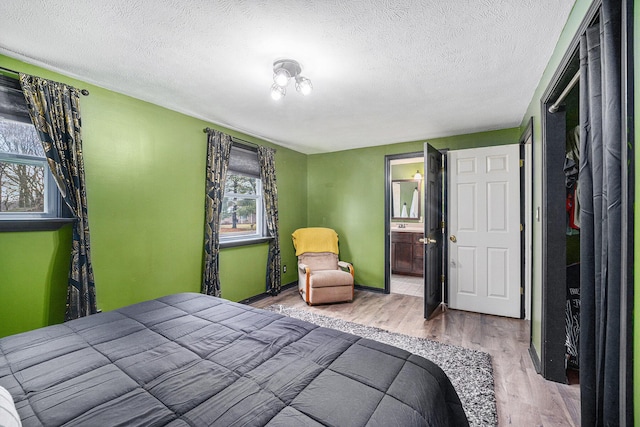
[
  {"x": 406, "y": 170},
  {"x": 346, "y": 193},
  {"x": 33, "y": 279},
  {"x": 145, "y": 191}
]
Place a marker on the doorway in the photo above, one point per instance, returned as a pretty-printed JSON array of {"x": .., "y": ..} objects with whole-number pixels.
[
  {"x": 404, "y": 218},
  {"x": 416, "y": 242},
  {"x": 560, "y": 236},
  {"x": 414, "y": 221},
  {"x": 560, "y": 240}
]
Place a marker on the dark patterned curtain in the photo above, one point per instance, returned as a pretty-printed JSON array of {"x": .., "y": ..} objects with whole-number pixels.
[
  {"x": 266, "y": 158},
  {"x": 600, "y": 183},
  {"x": 55, "y": 113},
  {"x": 218, "y": 153}
]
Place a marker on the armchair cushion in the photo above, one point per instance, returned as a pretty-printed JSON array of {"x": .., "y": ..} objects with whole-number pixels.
[
  {"x": 319, "y": 260},
  {"x": 327, "y": 278}
]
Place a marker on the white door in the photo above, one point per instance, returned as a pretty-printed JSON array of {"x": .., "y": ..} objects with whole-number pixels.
[{"x": 484, "y": 230}]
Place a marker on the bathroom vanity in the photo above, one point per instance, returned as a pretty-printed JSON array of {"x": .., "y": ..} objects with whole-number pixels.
[{"x": 407, "y": 252}]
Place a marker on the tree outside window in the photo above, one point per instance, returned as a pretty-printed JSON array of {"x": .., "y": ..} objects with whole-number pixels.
[
  {"x": 23, "y": 169},
  {"x": 241, "y": 214}
]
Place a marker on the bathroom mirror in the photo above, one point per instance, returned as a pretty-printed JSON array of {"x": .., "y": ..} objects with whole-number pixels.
[{"x": 405, "y": 196}]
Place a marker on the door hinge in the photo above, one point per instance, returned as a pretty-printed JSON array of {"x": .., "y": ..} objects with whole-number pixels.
[
  {"x": 521, "y": 163},
  {"x": 442, "y": 224},
  {"x": 521, "y": 290},
  {"x": 521, "y": 227},
  {"x": 442, "y": 278}
]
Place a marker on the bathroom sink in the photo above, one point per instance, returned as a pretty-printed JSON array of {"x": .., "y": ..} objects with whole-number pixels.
[{"x": 408, "y": 230}]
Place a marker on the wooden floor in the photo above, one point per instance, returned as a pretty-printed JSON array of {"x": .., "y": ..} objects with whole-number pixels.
[{"x": 523, "y": 397}]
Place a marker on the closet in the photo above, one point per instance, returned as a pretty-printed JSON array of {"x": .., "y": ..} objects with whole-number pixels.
[
  {"x": 561, "y": 224},
  {"x": 603, "y": 229},
  {"x": 572, "y": 230},
  {"x": 560, "y": 229}
]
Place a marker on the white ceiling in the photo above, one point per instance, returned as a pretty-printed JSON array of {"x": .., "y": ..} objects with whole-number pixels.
[{"x": 383, "y": 71}]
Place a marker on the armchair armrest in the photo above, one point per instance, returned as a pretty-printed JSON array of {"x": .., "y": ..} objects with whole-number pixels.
[
  {"x": 304, "y": 269},
  {"x": 346, "y": 265}
]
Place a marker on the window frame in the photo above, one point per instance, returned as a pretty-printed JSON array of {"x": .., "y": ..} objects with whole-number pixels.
[
  {"x": 262, "y": 233},
  {"x": 56, "y": 213},
  {"x": 51, "y": 193}
]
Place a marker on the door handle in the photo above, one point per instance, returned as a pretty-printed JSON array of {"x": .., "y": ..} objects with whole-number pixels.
[
  {"x": 427, "y": 240},
  {"x": 453, "y": 238}
]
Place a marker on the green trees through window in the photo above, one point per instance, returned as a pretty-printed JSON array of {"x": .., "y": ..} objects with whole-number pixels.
[{"x": 241, "y": 214}]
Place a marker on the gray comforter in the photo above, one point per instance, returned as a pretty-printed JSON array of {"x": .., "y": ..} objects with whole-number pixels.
[{"x": 194, "y": 360}]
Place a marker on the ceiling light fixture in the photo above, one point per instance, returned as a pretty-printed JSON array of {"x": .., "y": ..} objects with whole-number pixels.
[
  {"x": 277, "y": 92},
  {"x": 417, "y": 176},
  {"x": 283, "y": 71}
]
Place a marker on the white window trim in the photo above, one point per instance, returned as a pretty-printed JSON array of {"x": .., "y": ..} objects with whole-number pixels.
[
  {"x": 51, "y": 198},
  {"x": 261, "y": 226},
  {"x": 56, "y": 214}
]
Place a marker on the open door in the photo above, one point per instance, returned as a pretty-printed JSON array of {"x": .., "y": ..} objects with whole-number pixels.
[{"x": 433, "y": 237}]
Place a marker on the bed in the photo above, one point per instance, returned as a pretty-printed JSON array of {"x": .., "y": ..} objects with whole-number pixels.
[{"x": 194, "y": 360}]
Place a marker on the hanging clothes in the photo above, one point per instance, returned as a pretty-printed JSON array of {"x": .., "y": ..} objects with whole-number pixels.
[
  {"x": 572, "y": 315},
  {"x": 576, "y": 212},
  {"x": 573, "y": 209},
  {"x": 571, "y": 162}
]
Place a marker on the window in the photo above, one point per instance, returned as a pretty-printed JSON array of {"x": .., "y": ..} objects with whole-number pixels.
[
  {"x": 25, "y": 182},
  {"x": 243, "y": 216},
  {"x": 241, "y": 207},
  {"x": 27, "y": 188}
]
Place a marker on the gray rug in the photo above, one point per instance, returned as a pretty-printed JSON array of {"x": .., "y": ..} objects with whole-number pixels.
[{"x": 470, "y": 371}]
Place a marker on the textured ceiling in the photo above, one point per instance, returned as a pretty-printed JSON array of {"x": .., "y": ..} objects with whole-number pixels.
[{"x": 383, "y": 71}]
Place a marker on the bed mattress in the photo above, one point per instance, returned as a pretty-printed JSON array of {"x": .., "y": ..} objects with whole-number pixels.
[{"x": 194, "y": 360}]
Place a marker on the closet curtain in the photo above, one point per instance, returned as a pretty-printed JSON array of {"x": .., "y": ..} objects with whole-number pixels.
[
  {"x": 55, "y": 113},
  {"x": 218, "y": 154},
  {"x": 266, "y": 158},
  {"x": 600, "y": 228}
]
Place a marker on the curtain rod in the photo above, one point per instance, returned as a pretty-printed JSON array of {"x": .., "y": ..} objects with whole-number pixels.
[
  {"x": 556, "y": 105},
  {"x": 234, "y": 139},
  {"x": 85, "y": 92}
]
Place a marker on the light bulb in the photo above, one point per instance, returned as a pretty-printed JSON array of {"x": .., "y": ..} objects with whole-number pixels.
[
  {"x": 281, "y": 77},
  {"x": 303, "y": 85},
  {"x": 277, "y": 92}
]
